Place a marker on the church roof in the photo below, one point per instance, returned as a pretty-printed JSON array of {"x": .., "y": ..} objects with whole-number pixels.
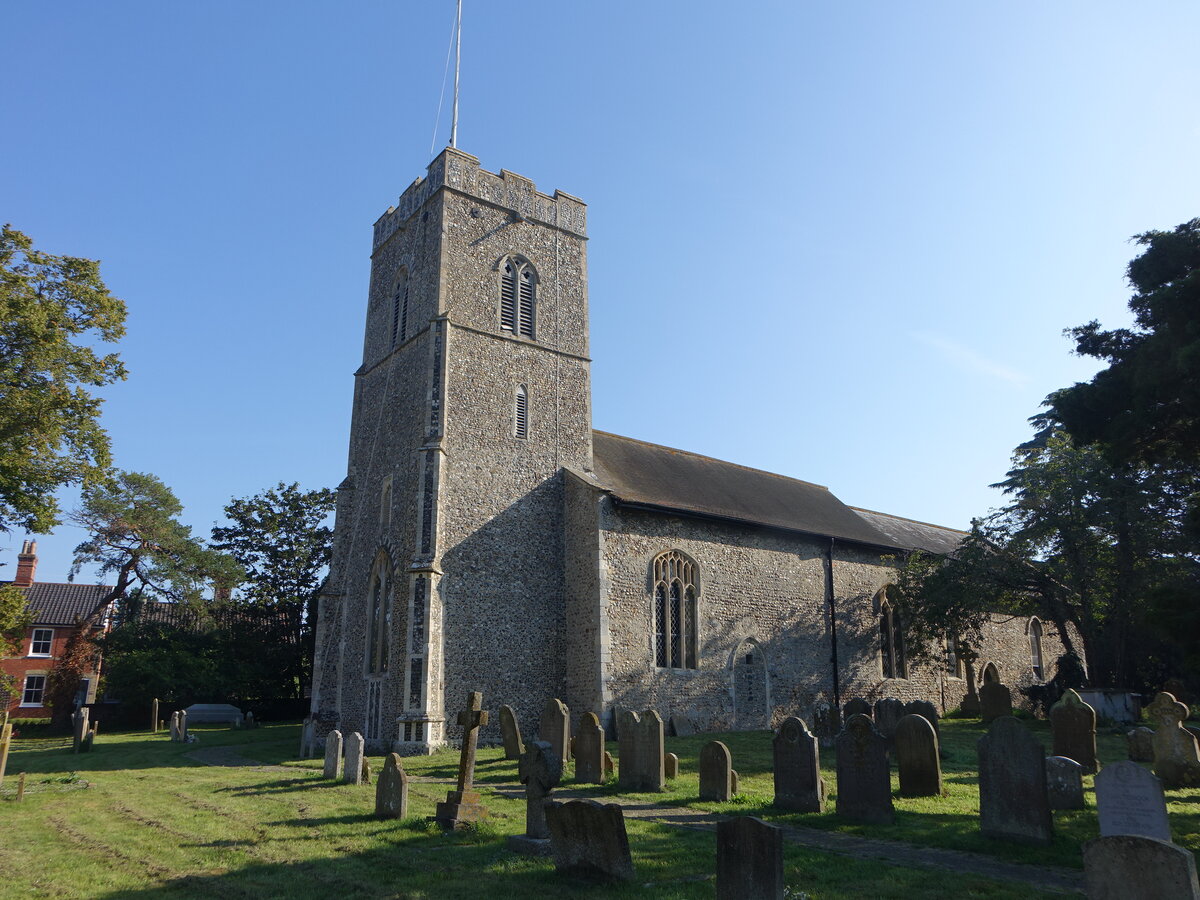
[
  {"x": 649, "y": 475},
  {"x": 913, "y": 535}
]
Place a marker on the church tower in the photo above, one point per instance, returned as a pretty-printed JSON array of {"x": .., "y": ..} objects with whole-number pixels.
[{"x": 473, "y": 394}]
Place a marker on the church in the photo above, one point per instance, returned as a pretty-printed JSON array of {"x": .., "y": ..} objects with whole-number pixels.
[{"x": 488, "y": 538}]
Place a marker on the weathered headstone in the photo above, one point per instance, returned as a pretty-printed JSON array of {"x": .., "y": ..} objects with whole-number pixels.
[
  {"x": 154, "y": 716},
  {"x": 749, "y": 860},
  {"x": 589, "y": 839},
  {"x": 540, "y": 770},
  {"x": 352, "y": 770},
  {"x": 1130, "y": 800},
  {"x": 670, "y": 766},
  {"x": 366, "y": 771},
  {"x": 1073, "y": 725},
  {"x": 1012, "y": 784},
  {"x": 888, "y": 713},
  {"x": 589, "y": 750},
  {"x": 682, "y": 725},
  {"x": 391, "y": 790},
  {"x": 734, "y": 781},
  {"x": 995, "y": 701},
  {"x": 555, "y": 727},
  {"x": 1129, "y": 867},
  {"x": 797, "y": 766},
  {"x": 463, "y": 805},
  {"x": 183, "y": 725},
  {"x": 827, "y": 722},
  {"x": 857, "y": 707},
  {"x": 1064, "y": 783},
  {"x": 640, "y": 764},
  {"x": 917, "y": 758},
  {"x": 864, "y": 781},
  {"x": 1176, "y": 755},
  {"x": 928, "y": 712},
  {"x": 510, "y": 731},
  {"x": 333, "y": 753},
  {"x": 610, "y": 764},
  {"x": 716, "y": 772},
  {"x": 628, "y": 723},
  {"x": 306, "y": 736},
  {"x": 79, "y": 721},
  {"x": 1141, "y": 744}
]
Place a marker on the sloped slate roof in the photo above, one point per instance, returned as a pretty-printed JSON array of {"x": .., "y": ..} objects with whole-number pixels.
[
  {"x": 647, "y": 474},
  {"x": 62, "y": 604},
  {"x": 912, "y": 535}
]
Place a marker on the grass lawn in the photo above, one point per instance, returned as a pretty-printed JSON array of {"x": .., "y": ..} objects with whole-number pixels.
[{"x": 154, "y": 822}]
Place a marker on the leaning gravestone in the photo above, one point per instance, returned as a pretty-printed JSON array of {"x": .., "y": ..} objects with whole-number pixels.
[
  {"x": 589, "y": 750},
  {"x": 888, "y": 713},
  {"x": 917, "y": 758},
  {"x": 1129, "y": 800},
  {"x": 333, "y": 754},
  {"x": 1073, "y": 724},
  {"x": 716, "y": 772},
  {"x": 1130, "y": 867},
  {"x": 391, "y": 790},
  {"x": 510, "y": 730},
  {"x": 864, "y": 781},
  {"x": 1064, "y": 783},
  {"x": 995, "y": 700},
  {"x": 797, "y": 766},
  {"x": 1141, "y": 744},
  {"x": 589, "y": 839},
  {"x": 1012, "y": 784},
  {"x": 540, "y": 770},
  {"x": 352, "y": 771},
  {"x": 928, "y": 712},
  {"x": 749, "y": 860},
  {"x": 856, "y": 707},
  {"x": 1176, "y": 755},
  {"x": 555, "y": 727}
]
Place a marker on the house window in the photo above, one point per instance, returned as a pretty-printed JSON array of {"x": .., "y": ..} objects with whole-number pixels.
[
  {"x": 42, "y": 640},
  {"x": 676, "y": 644},
  {"x": 521, "y": 413},
  {"x": 379, "y": 610},
  {"x": 1035, "y": 648},
  {"x": 518, "y": 297},
  {"x": 891, "y": 641},
  {"x": 400, "y": 309},
  {"x": 35, "y": 688}
]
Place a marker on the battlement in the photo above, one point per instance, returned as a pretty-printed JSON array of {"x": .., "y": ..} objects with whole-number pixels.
[{"x": 461, "y": 172}]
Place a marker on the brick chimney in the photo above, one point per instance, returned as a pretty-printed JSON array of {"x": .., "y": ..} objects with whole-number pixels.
[{"x": 26, "y": 564}]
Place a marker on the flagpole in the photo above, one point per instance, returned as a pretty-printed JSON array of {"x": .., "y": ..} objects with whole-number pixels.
[{"x": 457, "y": 56}]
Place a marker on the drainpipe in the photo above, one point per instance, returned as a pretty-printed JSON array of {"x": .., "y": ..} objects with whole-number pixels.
[{"x": 833, "y": 644}]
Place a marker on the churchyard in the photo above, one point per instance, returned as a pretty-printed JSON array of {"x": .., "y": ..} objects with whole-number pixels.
[{"x": 236, "y": 813}]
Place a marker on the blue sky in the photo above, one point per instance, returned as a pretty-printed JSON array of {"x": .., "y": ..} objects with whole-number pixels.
[{"x": 839, "y": 241}]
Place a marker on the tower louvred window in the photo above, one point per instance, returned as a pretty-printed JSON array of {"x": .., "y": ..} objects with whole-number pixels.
[
  {"x": 518, "y": 298},
  {"x": 521, "y": 414},
  {"x": 400, "y": 310},
  {"x": 508, "y": 298},
  {"x": 525, "y": 307}
]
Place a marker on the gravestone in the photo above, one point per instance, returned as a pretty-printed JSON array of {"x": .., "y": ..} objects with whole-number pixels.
[
  {"x": 463, "y": 805},
  {"x": 306, "y": 739},
  {"x": 682, "y": 725},
  {"x": 749, "y": 860},
  {"x": 154, "y": 716},
  {"x": 716, "y": 772},
  {"x": 628, "y": 723},
  {"x": 928, "y": 712},
  {"x": 864, "y": 781},
  {"x": 797, "y": 765},
  {"x": 733, "y": 781},
  {"x": 555, "y": 727},
  {"x": 1141, "y": 744},
  {"x": 540, "y": 770},
  {"x": 827, "y": 722},
  {"x": 353, "y": 768},
  {"x": 917, "y": 758},
  {"x": 1130, "y": 800},
  {"x": 888, "y": 713},
  {"x": 366, "y": 771},
  {"x": 995, "y": 701},
  {"x": 1177, "y": 689},
  {"x": 1064, "y": 783},
  {"x": 248, "y": 719},
  {"x": 671, "y": 766},
  {"x": 510, "y": 730},
  {"x": 1012, "y": 784},
  {"x": 333, "y": 753},
  {"x": 857, "y": 707},
  {"x": 1073, "y": 725},
  {"x": 174, "y": 726},
  {"x": 640, "y": 745},
  {"x": 391, "y": 791},
  {"x": 610, "y": 765},
  {"x": 79, "y": 721},
  {"x": 589, "y": 839},
  {"x": 183, "y": 725},
  {"x": 1130, "y": 867},
  {"x": 1176, "y": 755},
  {"x": 589, "y": 750}
]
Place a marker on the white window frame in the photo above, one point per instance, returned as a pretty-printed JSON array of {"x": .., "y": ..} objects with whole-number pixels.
[
  {"x": 41, "y": 690},
  {"x": 33, "y": 641}
]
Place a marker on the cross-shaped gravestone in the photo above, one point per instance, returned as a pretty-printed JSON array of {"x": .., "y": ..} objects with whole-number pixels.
[
  {"x": 1176, "y": 755},
  {"x": 462, "y": 805}
]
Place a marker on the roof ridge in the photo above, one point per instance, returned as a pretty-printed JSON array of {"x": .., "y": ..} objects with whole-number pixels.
[
  {"x": 877, "y": 512},
  {"x": 723, "y": 462}
]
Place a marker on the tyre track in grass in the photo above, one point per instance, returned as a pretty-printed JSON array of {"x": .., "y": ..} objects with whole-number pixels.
[{"x": 107, "y": 854}]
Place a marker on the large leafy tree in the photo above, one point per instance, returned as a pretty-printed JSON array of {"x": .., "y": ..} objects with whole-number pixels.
[
  {"x": 14, "y": 619},
  {"x": 52, "y": 308}
]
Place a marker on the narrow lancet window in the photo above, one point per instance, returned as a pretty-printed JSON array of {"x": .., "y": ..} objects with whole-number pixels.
[
  {"x": 521, "y": 413},
  {"x": 400, "y": 309}
]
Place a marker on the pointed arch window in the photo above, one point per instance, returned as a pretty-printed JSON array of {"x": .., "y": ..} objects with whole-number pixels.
[
  {"x": 1035, "y": 648},
  {"x": 518, "y": 297},
  {"x": 379, "y": 615},
  {"x": 385, "y": 503},
  {"x": 676, "y": 642},
  {"x": 400, "y": 309},
  {"x": 891, "y": 640}
]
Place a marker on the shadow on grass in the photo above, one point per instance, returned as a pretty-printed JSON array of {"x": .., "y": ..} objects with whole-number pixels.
[{"x": 280, "y": 786}]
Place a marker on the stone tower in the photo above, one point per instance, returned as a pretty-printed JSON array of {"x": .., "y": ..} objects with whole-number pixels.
[{"x": 473, "y": 394}]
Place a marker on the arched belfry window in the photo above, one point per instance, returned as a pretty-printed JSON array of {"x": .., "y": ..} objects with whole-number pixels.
[
  {"x": 891, "y": 639},
  {"x": 1035, "y": 648},
  {"x": 676, "y": 643},
  {"x": 518, "y": 297},
  {"x": 379, "y": 615},
  {"x": 400, "y": 309}
]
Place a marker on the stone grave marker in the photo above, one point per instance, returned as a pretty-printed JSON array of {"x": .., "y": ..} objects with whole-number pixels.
[
  {"x": 174, "y": 726},
  {"x": 541, "y": 770},
  {"x": 1130, "y": 867},
  {"x": 928, "y": 712},
  {"x": 391, "y": 790},
  {"x": 510, "y": 730},
  {"x": 1141, "y": 744},
  {"x": 463, "y": 805},
  {"x": 589, "y": 750},
  {"x": 1176, "y": 755},
  {"x": 555, "y": 727},
  {"x": 1012, "y": 784},
  {"x": 827, "y": 722},
  {"x": 366, "y": 771},
  {"x": 671, "y": 766},
  {"x": 352, "y": 770},
  {"x": 306, "y": 739},
  {"x": 716, "y": 772},
  {"x": 995, "y": 701},
  {"x": 749, "y": 860},
  {"x": 917, "y": 758},
  {"x": 333, "y": 753},
  {"x": 1064, "y": 783},
  {"x": 864, "y": 781},
  {"x": 610, "y": 764},
  {"x": 628, "y": 723},
  {"x": 640, "y": 764},
  {"x": 1073, "y": 725},
  {"x": 79, "y": 721},
  {"x": 154, "y": 716},
  {"x": 1130, "y": 800},
  {"x": 734, "y": 782},
  {"x": 797, "y": 765},
  {"x": 682, "y": 725},
  {"x": 589, "y": 839},
  {"x": 888, "y": 713},
  {"x": 857, "y": 707}
]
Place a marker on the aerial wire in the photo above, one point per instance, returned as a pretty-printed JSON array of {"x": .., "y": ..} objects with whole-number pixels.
[{"x": 454, "y": 29}]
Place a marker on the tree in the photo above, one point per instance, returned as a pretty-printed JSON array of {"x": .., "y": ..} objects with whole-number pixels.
[
  {"x": 50, "y": 434},
  {"x": 14, "y": 619},
  {"x": 282, "y": 540}
]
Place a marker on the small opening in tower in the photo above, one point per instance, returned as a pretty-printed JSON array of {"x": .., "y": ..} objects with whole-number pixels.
[{"x": 521, "y": 413}]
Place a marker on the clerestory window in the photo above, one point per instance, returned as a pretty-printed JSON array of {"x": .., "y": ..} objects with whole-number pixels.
[
  {"x": 518, "y": 297},
  {"x": 676, "y": 643}
]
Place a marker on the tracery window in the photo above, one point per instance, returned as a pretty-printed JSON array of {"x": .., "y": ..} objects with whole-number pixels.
[
  {"x": 379, "y": 612},
  {"x": 518, "y": 297},
  {"x": 1035, "y": 647},
  {"x": 676, "y": 641},
  {"x": 891, "y": 640},
  {"x": 400, "y": 309}
]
